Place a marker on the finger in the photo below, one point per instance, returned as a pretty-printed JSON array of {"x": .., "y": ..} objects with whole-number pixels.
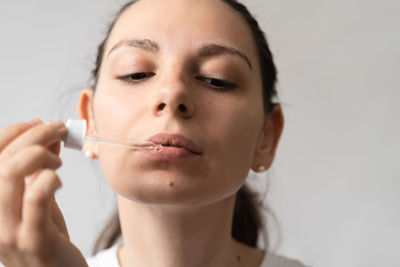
[
  {"x": 12, "y": 173},
  {"x": 13, "y": 131},
  {"x": 37, "y": 200},
  {"x": 55, "y": 148},
  {"x": 58, "y": 218},
  {"x": 43, "y": 134},
  {"x": 31, "y": 159}
]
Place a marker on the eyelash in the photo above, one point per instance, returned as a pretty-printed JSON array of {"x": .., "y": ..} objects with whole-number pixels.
[
  {"x": 128, "y": 78},
  {"x": 222, "y": 85}
]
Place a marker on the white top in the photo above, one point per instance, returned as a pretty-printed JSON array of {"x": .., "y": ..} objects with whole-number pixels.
[{"x": 108, "y": 258}]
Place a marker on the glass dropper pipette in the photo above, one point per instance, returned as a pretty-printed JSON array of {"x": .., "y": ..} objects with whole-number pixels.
[{"x": 77, "y": 136}]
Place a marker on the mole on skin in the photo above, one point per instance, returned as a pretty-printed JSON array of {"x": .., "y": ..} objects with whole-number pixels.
[
  {"x": 171, "y": 184},
  {"x": 238, "y": 257}
]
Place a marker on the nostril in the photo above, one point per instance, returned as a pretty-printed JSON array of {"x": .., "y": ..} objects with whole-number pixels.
[
  {"x": 161, "y": 106},
  {"x": 182, "y": 108}
]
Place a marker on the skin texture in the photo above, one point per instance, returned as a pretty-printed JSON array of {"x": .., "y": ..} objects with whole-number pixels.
[{"x": 179, "y": 213}]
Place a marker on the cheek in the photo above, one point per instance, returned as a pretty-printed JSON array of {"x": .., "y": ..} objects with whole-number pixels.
[
  {"x": 122, "y": 117},
  {"x": 235, "y": 133},
  {"x": 121, "y": 171},
  {"x": 116, "y": 114},
  {"x": 238, "y": 126}
]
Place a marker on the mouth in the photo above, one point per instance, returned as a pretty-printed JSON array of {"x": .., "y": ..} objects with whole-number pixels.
[
  {"x": 175, "y": 141},
  {"x": 169, "y": 145}
]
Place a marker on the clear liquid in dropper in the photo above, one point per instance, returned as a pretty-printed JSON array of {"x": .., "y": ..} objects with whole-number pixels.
[
  {"x": 121, "y": 142},
  {"x": 77, "y": 135}
]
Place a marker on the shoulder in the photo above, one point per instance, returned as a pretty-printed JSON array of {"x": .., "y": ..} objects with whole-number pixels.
[
  {"x": 274, "y": 260},
  {"x": 105, "y": 258}
]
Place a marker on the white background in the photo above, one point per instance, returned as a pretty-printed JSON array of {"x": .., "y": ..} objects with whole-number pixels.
[{"x": 335, "y": 183}]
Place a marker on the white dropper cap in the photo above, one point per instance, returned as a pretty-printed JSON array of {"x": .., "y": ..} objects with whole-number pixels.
[{"x": 76, "y": 134}]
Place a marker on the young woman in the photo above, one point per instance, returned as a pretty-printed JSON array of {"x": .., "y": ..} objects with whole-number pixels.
[{"x": 195, "y": 76}]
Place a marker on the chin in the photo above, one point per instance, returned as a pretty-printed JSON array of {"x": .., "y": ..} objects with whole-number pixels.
[
  {"x": 176, "y": 190},
  {"x": 156, "y": 189}
]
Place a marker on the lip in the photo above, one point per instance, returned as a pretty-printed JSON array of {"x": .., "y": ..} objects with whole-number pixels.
[{"x": 175, "y": 147}]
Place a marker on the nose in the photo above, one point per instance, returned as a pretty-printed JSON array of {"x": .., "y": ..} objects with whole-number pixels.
[{"x": 174, "y": 97}]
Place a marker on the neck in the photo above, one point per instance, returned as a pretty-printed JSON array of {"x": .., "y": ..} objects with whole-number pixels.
[{"x": 171, "y": 236}]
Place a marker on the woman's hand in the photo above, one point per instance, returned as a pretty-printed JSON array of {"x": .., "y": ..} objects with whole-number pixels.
[{"x": 32, "y": 229}]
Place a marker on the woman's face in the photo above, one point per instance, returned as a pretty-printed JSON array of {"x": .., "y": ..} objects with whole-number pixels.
[{"x": 185, "y": 68}]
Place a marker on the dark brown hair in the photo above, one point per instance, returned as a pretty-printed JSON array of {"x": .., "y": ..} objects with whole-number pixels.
[{"x": 247, "y": 219}]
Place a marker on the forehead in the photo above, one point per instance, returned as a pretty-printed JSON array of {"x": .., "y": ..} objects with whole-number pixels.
[{"x": 184, "y": 24}]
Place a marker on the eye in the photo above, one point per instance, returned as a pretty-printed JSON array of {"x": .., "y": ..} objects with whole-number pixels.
[
  {"x": 136, "y": 77},
  {"x": 217, "y": 84}
]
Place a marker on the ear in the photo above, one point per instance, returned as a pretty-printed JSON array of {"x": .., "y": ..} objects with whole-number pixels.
[
  {"x": 85, "y": 111},
  {"x": 268, "y": 140}
]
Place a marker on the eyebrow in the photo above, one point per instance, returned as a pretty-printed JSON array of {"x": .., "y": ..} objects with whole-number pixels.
[
  {"x": 143, "y": 44},
  {"x": 206, "y": 50},
  {"x": 209, "y": 50}
]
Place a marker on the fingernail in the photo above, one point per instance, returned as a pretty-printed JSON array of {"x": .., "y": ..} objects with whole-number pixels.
[
  {"x": 55, "y": 124},
  {"x": 34, "y": 122}
]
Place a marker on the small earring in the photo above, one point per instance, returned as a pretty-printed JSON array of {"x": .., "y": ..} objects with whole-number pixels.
[
  {"x": 89, "y": 154},
  {"x": 260, "y": 168}
]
